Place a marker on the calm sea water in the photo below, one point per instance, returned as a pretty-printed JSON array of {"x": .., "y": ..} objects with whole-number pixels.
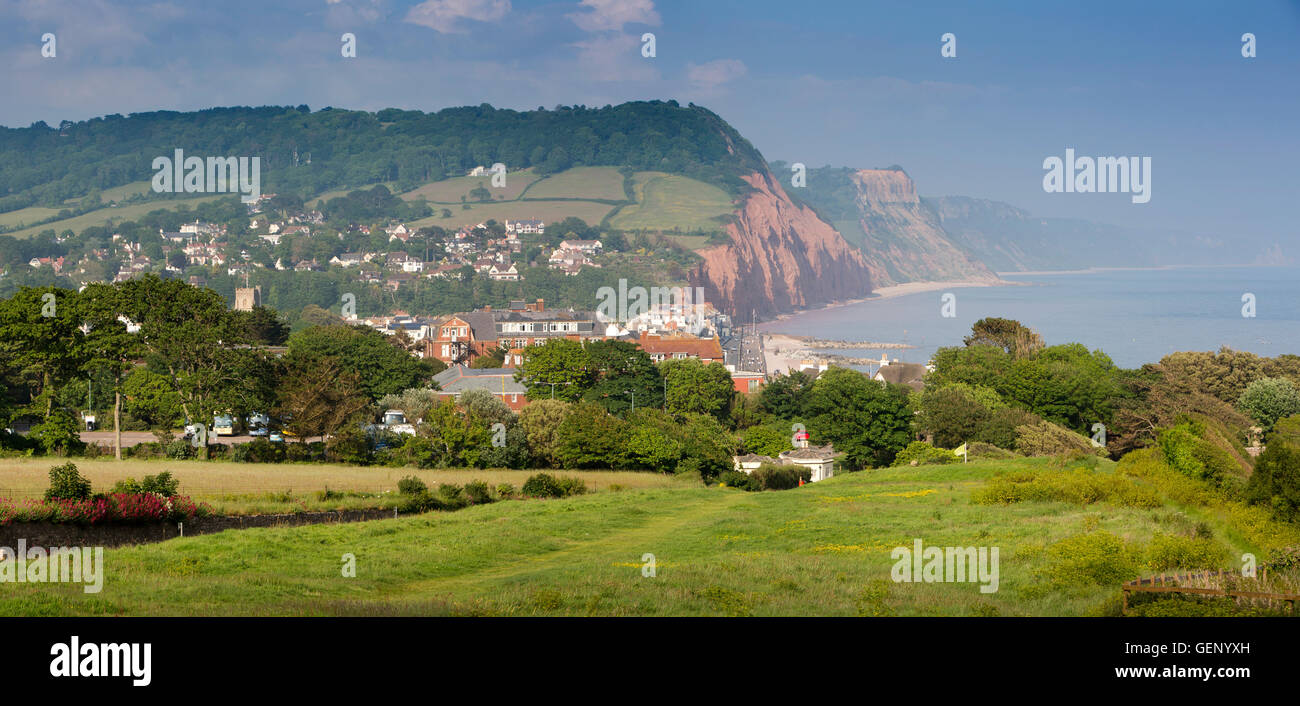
[{"x": 1135, "y": 316}]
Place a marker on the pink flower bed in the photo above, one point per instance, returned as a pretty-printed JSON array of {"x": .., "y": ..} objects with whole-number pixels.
[{"x": 115, "y": 507}]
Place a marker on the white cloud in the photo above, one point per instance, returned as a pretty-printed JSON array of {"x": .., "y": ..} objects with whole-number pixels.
[
  {"x": 444, "y": 15},
  {"x": 615, "y": 57},
  {"x": 715, "y": 73},
  {"x": 606, "y": 15}
]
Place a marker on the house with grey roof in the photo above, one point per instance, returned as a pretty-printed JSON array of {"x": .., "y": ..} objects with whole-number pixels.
[{"x": 459, "y": 379}]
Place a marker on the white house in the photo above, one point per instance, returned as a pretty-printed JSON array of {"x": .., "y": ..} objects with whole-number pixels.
[
  {"x": 818, "y": 459},
  {"x": 502, "y": 273},
  {"x": 530, "y": 225},
  {"x": 589, "y": 247}
]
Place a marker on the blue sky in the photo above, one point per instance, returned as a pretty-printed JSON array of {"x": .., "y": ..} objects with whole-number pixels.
[{"x": 852, "y": 83}]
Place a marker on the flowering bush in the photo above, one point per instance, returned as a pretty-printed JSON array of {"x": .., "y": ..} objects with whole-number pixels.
[{"x": 103, "y": 509}]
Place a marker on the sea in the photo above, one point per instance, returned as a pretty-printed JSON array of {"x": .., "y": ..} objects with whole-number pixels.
[{"x": 1135, "y": 316}]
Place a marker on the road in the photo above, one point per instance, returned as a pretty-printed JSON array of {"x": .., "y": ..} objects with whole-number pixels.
[
  {"x": 751, "y": 353},
  {"x": 131, "y": 438}
]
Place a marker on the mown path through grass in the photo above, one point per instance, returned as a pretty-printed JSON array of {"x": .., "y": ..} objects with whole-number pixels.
[{"x": 656, "y": 532}]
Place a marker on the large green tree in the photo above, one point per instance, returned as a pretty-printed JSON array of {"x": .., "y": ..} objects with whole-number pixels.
[
  {"x": 868, "y": 421},
  {"x": 1267, "y": 400},
  {"x": 559, "y": 369},
  {"x": 694, "y": 387},
  {"x": 625, "y": 375},
  {"x": 381, "y": 367}
]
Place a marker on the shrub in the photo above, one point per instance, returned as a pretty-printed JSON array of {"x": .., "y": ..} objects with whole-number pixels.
[
  {"x": 770, "y": 477},
  {"x": 1186, "y": 449},
  {"x": 505, "y": 490},
  {"x": 985, "y": 450},
  {"x": 452, "y": 496},
  {"x": 1093, "y": 558},
  {"x": 350, "y": 445},
  {"x": 127, "y": 486},
  {"x": 1044, "y": 438},
  {"x": 1167, "y": 552},
  {"x": 298, "y": 452},
  {"x": 421, "y": 501},
  {"x": 162, "y": 484},
  {"x": 410, "y": 485},
  {"x": 1077, "y": 486},
  {"x": 923, "y": 454},
  {"x": 180, "y": 449},
  {"x": 1275, "y": 483},
  {"x": 478, "y": 493},
  {"x": 1000, "y": 430},
  {"x": 66, "y": 483},
  {"x": 571, "y": 485},
  {"x": 542, "y": 485},
  {"x": 737, "y": 479},
  {"x": 257, "y": 451}
]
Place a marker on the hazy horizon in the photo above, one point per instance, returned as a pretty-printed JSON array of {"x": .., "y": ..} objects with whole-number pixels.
[{"x": 846, "y": 84}]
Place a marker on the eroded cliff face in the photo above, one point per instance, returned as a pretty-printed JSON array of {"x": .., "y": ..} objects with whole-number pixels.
[
  {"x": 903, "y": 239},
  {"x": 781, "y": 257}
]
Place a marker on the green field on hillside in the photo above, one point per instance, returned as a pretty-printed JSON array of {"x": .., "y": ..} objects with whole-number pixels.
[
  {"x": 823, "y": 549},
  {"x": 449, "y": 191},
  {"x": 666, "y": 201},
  {"x": 102, "y": 216},
  {"x": 605, "y": 183},
  {"x": 34, "y": 214},
  {"x": 23, "y": 216},
  {"x": 126, "y": 191}
]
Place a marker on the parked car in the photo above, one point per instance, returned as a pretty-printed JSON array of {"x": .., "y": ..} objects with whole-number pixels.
[
  {"x": 395, "y": 421},
  {"x": 259, "y": 424}
]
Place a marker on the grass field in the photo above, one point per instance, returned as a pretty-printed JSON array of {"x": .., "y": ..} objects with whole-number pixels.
[
  {"x": 824, "y": 549},
  {"x": 581, "y": 183},
  {"x": 257, "y": 488},
  {"x": 449, "y": 191},
  {"x": 32, "y": 214},
  {"x": 666, "y": 201},
  {"x": 23, "y": 216},
  {"x": 118, "y": 193},
  {"x": 101, "y": 216}
]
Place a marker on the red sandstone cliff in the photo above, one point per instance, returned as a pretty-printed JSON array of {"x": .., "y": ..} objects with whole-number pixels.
[
  {"x": 903, "y": 239},
  {"x": 781, "y": 257}
]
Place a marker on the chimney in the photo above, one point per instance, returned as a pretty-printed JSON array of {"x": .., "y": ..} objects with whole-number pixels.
[{"x": 540, "y": 305}]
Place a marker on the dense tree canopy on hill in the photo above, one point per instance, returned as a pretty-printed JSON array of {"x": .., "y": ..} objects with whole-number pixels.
[{"x": 308, "y": 153}]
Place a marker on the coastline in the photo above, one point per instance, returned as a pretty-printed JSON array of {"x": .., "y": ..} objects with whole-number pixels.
[
  {"x": 1152, "y": 268},
  {"x": 901, "y": 290},
  {"x": 785, "y": 352}
]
